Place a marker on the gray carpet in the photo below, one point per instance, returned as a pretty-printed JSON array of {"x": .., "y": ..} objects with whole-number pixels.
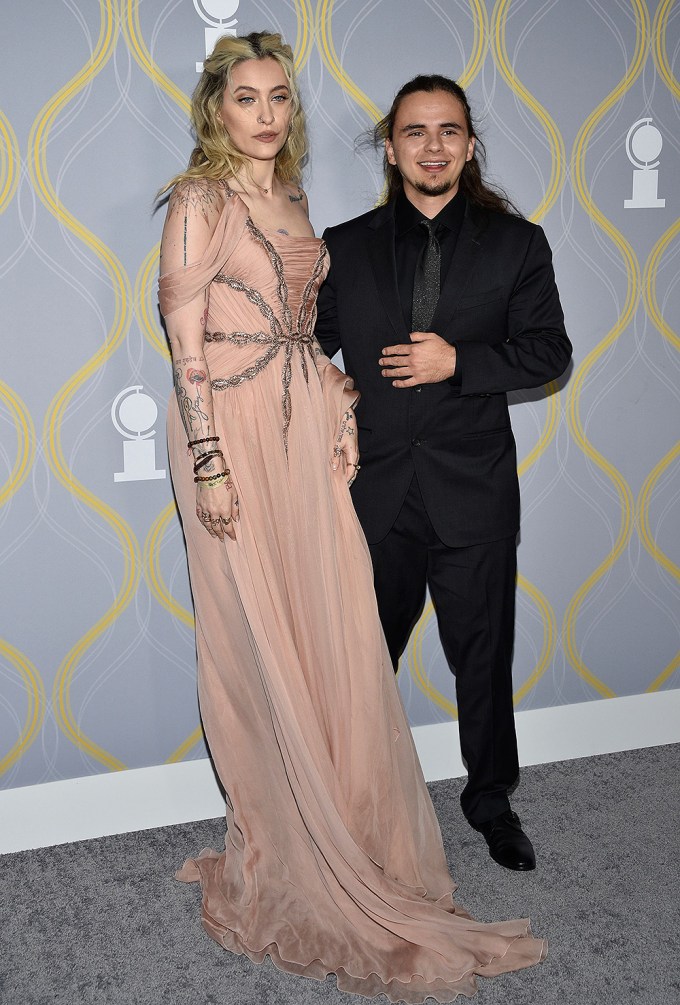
[{"x": 104, "y": 921}]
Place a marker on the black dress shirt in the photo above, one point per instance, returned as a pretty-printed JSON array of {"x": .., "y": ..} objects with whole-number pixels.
[{"x": 410, "y": 239}]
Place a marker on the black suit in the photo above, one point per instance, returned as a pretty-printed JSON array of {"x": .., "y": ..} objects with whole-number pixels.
[{"x": 442, "y": 456}]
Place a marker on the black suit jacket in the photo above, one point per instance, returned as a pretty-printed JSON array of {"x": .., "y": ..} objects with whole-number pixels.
[{"x": 499, "y": 305}]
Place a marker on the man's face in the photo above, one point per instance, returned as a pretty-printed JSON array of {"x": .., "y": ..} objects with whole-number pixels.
[{"x": 430, "y": 143}]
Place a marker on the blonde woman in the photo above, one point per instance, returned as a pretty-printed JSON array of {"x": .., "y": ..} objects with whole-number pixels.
[{"x": 333, "y": 859}]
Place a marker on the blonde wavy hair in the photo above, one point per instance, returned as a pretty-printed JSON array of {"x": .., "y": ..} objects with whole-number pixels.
[{"x": 214, "y": 155}]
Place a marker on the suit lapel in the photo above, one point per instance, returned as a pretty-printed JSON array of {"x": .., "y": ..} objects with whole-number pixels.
[
  {"x": 468, "y": 248},
  {"x": 383, "y": 263}
]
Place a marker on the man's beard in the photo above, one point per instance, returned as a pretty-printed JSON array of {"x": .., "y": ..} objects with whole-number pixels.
[{"x": 434, "y": 188}]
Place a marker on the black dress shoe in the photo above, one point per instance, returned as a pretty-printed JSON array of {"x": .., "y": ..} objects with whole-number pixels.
[{"x": 508, "y": 844}]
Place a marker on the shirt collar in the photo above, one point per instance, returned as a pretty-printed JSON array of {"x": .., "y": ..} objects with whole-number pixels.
[{"x": 406, "y": 216}]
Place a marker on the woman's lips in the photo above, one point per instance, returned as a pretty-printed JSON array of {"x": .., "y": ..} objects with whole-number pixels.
[{"x": 266, "y": 137}]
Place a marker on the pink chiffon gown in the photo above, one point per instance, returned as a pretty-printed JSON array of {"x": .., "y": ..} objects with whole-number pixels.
[{"x": 333, "y": 859}]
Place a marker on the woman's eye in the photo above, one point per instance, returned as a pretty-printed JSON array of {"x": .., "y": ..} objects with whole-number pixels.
[
  {"x": 245, "y": 101},
  {"x": 280, "y": 98}
]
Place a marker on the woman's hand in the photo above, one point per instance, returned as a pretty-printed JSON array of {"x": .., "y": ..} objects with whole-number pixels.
[
  {"x": 217, "y": 508},
  {"x": 347, "y": 445}
]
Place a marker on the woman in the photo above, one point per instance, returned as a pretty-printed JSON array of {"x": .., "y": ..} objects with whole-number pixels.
[{"x": 333, "y": 862}]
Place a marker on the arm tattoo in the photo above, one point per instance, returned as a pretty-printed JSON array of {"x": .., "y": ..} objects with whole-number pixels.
[
  {"x": 188, "y": 382},
  {"x": 192, "y": 196},
  {"x": 297, "y": 198}
]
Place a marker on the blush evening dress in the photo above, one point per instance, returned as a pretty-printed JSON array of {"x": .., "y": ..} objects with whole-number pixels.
[{"x": 333, "y": 859}]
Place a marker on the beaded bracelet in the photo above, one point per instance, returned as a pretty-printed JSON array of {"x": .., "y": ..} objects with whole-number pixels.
[
  {"x": 204, "y": 458},
  {"x": 214, "y": 479},
  {"x": 204, "y": 439}
]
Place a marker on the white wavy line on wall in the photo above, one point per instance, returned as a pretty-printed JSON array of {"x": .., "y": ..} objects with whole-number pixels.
[
  {"x": 612, "y": 25},
  {"x": 447, "y": 20},
  {"x": 56, "y": 267},
  {"x": 640, "y": 554},
  {"x": 525, "y": 114},
  {"x": 650, "y": 334},
  {"x": 669, "y": 510},
  {"x": 527, "y": 613},
  {"x": 533, "y": 497},
  {"x": 355, "y": 111},
  {"x": 347, "y": 141},
  {"x": 655, "y": 598},
  {"x": 182, "y": 660},
  {"x": 24, "y": 186},
  {"x": 97, "y": 678},
  {"x": 272, "y": 21},
  {"x": 126, "y": 86},
  {"x": 170, "y": 107},
  {"x": 482, "y": 116}
]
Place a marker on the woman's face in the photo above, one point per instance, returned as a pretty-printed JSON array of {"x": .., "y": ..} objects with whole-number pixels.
[{"x": 257, "y": 109}]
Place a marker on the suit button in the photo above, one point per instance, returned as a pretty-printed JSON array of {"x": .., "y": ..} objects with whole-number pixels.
[
  {"x": 418, "y": 389},
  {"x": 415, "y": 443}
]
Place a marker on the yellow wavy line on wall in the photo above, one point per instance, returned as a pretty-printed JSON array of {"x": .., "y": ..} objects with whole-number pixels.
[
  {"x": 672, "y": 456},
  {"x": 35, "y": 709},
  {"x": 304, "y": 36},
  {"x": 632, "y": 295},
  {"x": 558, "y": 155},
  {"x": 552, "y": 419},
  {"x": 25, "y": 456},
  {"x": 9, "y": 162},
  {"x": 146, "y": 303},
  {"x": 324, "y": 34},
  {"x": 480, "y": 43},
  {"x": 644, "y": 500},
  {"x": 416, "y": 668},
  {"x": 649, "y": 284},
  {"x": 152, "y": 566},
  {"x": 132, "y": 31},
  {"x": 549, "y": 620},
  {"x": 38, "y": 141},
  {"x": 653, "y": 548},
  {"x": 665, "y": 674},
  {"x": 556, "y": 183},
  {"x": 159, "y": 589},
  {"x": 415, "y": 650},
  {"x": 659, "y": 50}
]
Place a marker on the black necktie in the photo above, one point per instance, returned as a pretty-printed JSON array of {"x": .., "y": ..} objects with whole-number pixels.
[{"x": 426, "y": 282}]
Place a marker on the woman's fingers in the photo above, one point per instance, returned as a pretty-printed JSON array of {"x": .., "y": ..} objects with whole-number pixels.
[{"x": 217, "y": 511}]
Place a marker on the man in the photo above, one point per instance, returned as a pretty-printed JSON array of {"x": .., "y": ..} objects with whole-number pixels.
[{"x": 442, "y": 300}]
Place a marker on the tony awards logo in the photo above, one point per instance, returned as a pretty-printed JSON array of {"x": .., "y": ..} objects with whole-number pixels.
[
  {"x": 134, "y": 413},
  {"x": 643, "y": 146},
  {"x": 216, "y": 14}
]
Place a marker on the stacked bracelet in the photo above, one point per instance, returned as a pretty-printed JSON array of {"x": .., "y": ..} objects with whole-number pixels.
[
  {"x": 215, "y": 479},
  {"x": 203, "y": 459},
  {"x": 204, "y": 439}
]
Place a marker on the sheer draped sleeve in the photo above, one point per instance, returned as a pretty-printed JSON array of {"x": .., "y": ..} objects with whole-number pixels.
[{"x": 203, "y": 227}]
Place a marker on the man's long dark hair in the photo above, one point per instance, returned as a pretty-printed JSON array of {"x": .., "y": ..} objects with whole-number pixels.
[{"x": 471, "y": 183}]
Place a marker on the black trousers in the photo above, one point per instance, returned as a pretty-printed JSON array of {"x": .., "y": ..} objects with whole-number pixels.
[{"x": 473, "y": 592}]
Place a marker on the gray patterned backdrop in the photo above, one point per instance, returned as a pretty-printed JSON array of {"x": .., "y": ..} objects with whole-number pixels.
[{"x": 578, "y": 105}]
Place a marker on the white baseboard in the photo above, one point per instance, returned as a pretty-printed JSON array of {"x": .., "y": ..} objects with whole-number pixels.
[{"x": 37, "y": 816}]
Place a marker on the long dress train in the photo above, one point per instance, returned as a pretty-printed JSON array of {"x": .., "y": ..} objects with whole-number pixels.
[{"x": 334, "y": 861}]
